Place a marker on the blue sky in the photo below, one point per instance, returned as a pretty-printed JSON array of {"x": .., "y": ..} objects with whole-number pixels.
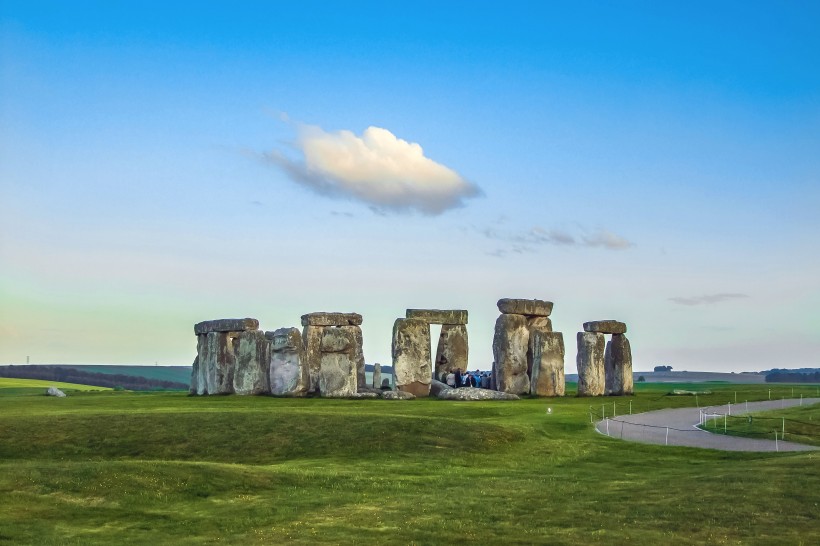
[{"x": 657, "y": 163}]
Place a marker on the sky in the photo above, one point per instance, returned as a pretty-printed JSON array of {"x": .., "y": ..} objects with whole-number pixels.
[{"x": 656, "y": 163}]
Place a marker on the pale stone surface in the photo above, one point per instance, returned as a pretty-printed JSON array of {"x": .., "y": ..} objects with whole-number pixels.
[
  {"x": 358, "y": 354},
  {"x": 337, "y": 340},
  {"x": 337, "y": 375},
  {"x": 618, "y": 366},
  {"x": 538, "y": 308},
  {"x": 369, "y": 389},
  {"x": 539, "y": 323},
  {"x": 225, "y": 325},
  {"x": 437, "y": 386},
  {"x": 412, "y": 363},
  {"x": 547, "y": 350},
  {"x": 377, "y": 376},
  {"x": 365, "y": 394},
  {"x": 332, "y": 319},
  {"x": 312, "y": 339},
  {"x": 474, "y": 393},
  {"x": 194, "y": 373},
  {"x": 288, "y": 367},
  {"x": 510, "y": 345},
  {"x": 590, "y": 363},
  {"x": 439, "y": 316},
  {"x": 216, "y": 355},
  {"x": 54, "y": 391},
  {"x": 398, "y": 395},
  {"x": 252, "y": 364},
  {"x": 605, "y": 327},
  {"x": 452, "y": 351}
]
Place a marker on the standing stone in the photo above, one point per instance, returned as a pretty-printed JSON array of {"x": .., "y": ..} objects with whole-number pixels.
[
  {"x": 605, "y": 327},
  {"x": 537, "y": 308},
  {"x": 312, "y": 339},
  {"x": 251, "y": 375},
  {"x": 216, "y": 353},
  {"x": 452, "y": 351},
  {"x": 412, "y": 362},
  {"x": 510, "y": 345},
  {"x": 590, "y": 362},
  {"x": 547, "y": 349},
  {"x": 288, "y": 367},
  {"x": 337, "y": 369},
  {"x": 618, "y": 366},
  {"x": 377, "y": 376},
  {"x": 439, "y": 316},
  {"x": 540, "y": 323},
  {"x": 194, "y": 372},
  {"x": 358, "y": 355}
]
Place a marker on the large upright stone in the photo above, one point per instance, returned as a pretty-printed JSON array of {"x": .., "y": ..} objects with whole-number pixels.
[
  {"x": 439, "y": 316},
  {"x": 288, "y": 367},
  {"x": 535, "y": 308},
  {"x": 590, "y": 362},
  {"x": 412, "y": 362},
  {"x": 547, "y": 350},
  {"x": 312, "y": 340},
  {"x": 216, "y": 363},
  {"x": 605, "y": 327},
  {"x": 452, "y": 350},
  {"x": 251, "y": 375},
  {"x": 358, "y": 355},
  {"x": 510, "y": 344},
  {"x": 338, "y": 370},
  {"x": 332, "y": 319},
  {"x": 225, "y": 325},
  {"x": 377, "y": 376},
  {"x": 618, "y": 366}
]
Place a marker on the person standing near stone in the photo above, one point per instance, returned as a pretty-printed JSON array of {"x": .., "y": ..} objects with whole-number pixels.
[
  {"x": 459, "y": 379},
  {"x": 451, "y": 380}
]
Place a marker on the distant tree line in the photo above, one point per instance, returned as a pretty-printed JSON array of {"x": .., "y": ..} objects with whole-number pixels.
[
  {"x": 663, "y": 368},
  {"x": 787, "y": 376},
  {"x": 70, "y": 375}
]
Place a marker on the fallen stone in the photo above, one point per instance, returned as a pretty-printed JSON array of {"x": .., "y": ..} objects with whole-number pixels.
[
  {"x": 537, "y": 308},
  {"x": 437, "y": 386},
  {"x": 547, "y": 350},
  {"x": 337, "y": 375},
  {"x": 473, "y": 393},
  {"x": 398, "y": 395},
  {"x": 377, "y": 376},
  {"x": 452, "y": 351},
  {"x": 510, "y": 345},
  {"x": 332, "y": 319},
  {"x": 618, "y": 366},
  {"x": 605, "y": 327},
  {"x": 412, "y": 363},
  {"x": 370, "y": 390},
  {"x": 54, "y": 391},
  {"x": 590, "y": 363},
  {"x": 225, "y": 325},
  {"x": 251, "y": 375},
  {"x": 288, "y": 366},
  {"x": 439, "y": 316},
  {"x": 366, "y": 394}
]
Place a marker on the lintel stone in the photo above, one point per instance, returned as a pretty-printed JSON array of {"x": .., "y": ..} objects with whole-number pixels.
[
  {"x": 332, "y": 319},
  {"x": 605, "y": 327},
  {"x": 530, "y": 308},
  {"x": 226, "y": 325}
]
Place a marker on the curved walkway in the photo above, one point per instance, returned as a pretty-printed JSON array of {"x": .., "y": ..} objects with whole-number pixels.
[{"x": 678, "y": 427}]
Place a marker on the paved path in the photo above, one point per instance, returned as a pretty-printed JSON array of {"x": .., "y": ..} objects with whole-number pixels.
[{"x": 682, "y": 427}]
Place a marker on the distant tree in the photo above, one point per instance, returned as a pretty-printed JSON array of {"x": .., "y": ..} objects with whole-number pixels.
[
  {"x": 663, "y": 368},
  {"x": 641, "y": 379}
]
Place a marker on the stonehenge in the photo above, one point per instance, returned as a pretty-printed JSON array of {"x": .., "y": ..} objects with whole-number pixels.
[
  {"x": 528, "y": 355},
  {"x": 326, "y": 357},
  {"x": 412, "y": 362},
  {"x": 604, "y": 368}
]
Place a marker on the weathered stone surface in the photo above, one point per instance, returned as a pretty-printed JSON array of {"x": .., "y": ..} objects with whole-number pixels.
[
  {"x": 337, "y": 375},
  {"x": 510, "y": 344},
  {"x": 377, "y": 376},
  {"x": 365, "y": 394},
  {"x": 473, "y": 393},
  {"x": 225, "y": 325},
  {"x": 537, "y": 308},
  {"x": 452, "y": 351},
  {"x": 436, "y": 387},
  {"x": 216, "y": 355},
  {"x": 539, "y": 323},
  {"x": 398, "y": 395},
  {"x": 618, "y": 366},
  {"x": 332, "y": 319},
  {"x": 288, "y": 366},
  {"x": 590, "y": 362},
  {"x": 547, "y": 350},
  {"x": 251, "y": 375},
  {"x": 605, "y": 327},
  {"x": 337, "y": 340},
  {"x": 358, "y": 354},
  {"x": 194, "y": 375},
  {"x": 412, "y": 363},
  {"x": 369, "y": 389},
  {"x": 312, "y": 339},
  {"x": 439, "y": 316},
  {"x": 54, "y": 391}
]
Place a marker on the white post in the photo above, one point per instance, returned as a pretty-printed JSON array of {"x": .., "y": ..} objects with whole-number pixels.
[
  {"x": 607, "y": 426},
  {"x": 776, "y": 447},
  {"x": 724, "y": 423},
  {"x": 735, "y": 397},
  {"x": 747, "y": 405},
  {"x": 667, "y": 435},
  {"x": 730, "y": 408},
  {"x": 784, "y": 429},
  {"x": 613, "y": 409},
  {"x": 770, "y": 394},
  {"x": 801, "y": 399},
  {"x": 630, "y": 404}
]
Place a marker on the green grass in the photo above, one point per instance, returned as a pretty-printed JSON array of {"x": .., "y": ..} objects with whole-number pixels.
[
  {"x": 14, "y": 387},
  {"x": 801, "y": 424},
  {"x": 159, "y": 468}
]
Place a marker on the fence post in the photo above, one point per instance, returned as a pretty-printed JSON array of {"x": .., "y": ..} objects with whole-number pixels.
[
  {"x": 770, "y": 394},
  {"x": 784, "y": 429},
  {"x": 667, "y": 435},
  {"x": 801, "y": 399},
  {"x": 730, "y": 408},
  {"x": 630, "y": 404},
  {"x": 776, "y": 447},
  {"x": 724, "y": 423},
  {"x": 607, "y": 426}
]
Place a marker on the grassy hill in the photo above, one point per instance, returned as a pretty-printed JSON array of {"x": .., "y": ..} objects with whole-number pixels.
[
  {"x": 177, "y": 374},
  {"x": 12, "y": 386},
  {"x": 148, "y": 468}
]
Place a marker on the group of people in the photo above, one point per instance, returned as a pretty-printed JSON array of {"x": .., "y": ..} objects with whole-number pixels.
[{"x": 457, "y": 379}]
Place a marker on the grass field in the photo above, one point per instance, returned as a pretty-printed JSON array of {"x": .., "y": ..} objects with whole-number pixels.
[
  {"x": 157, "y": 468},
  {"x": 10, "y": 386},
  {"x": 800, "y": 424}
]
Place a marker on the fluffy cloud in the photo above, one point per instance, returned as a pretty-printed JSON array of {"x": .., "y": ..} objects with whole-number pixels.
[
  {"x": 377, "y": 168},
  {"x": 707, "y": 299}
]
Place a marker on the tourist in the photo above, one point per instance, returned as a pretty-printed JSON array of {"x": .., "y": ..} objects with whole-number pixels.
[
  {"x": 459, "y": 382},
  {"x": 451, "y": 380}
]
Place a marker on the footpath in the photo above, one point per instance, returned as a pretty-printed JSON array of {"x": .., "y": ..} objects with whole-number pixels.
[{"x": 679, "y": 427}]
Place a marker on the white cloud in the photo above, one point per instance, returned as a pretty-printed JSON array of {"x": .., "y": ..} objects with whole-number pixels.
[
  {"x": 537, "y": 236},
  {"x": 377, "y": 168},
  {"x": 707, "y": 299}
]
